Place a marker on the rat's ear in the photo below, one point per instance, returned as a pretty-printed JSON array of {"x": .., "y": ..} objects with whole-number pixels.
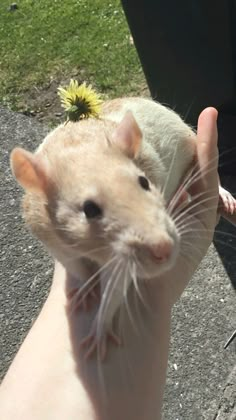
[
  {"x": 128, "y": 136},
  {"x": 29, "y": 171}
]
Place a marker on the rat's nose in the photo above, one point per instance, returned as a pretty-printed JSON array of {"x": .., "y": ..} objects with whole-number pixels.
[{"x": 162, "y": 251}]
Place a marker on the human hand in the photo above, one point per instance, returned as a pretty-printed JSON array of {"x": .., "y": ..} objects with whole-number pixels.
[{"x": 148, "y": 349}]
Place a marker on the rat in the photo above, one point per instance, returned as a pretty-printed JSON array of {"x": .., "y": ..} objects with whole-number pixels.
[{"x": 96, "y": 195}]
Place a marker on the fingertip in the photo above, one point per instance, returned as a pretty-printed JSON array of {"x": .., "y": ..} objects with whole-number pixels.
[
  {"x": 209, "y": 112},
  {"x": 207, "y": 126},
  {"x": 211, "y": 109}
]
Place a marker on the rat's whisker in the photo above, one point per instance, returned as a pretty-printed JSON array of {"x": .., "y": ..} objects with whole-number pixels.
[
  {"x": 85, "y": 289},
  {"x": 194, "y": 175},
  {"x": 101, "y": 325},
  {"x": 110, "y": 287},
  {"x": 183, "y": 188},
  {"x": 225, "y": 153},
  {"x": 227, "y": 244},
  {"x": 194, "y": 200},
  {"x": 110, "y": 280},
  {"x": 170, "y": 169},
  {"x": 188, "y": 259},
  {"x": 190, "y": 250},
  {"x": 188, "y": 245},
  {"x": 94, "y": 251},
  {"x": 192, "y": 210},
  {"x": 71, "y": 233},
  {"x": 186, "y": 229},
  {"x": 221, "y": 232},
  {"x": 189, "y": 109},
  {"x": 137, "y": 298},
  {"x": 133, "y": 273},
  {"x": 125, "y": 294},
  {"x": 191, "y": 215},
  {"x": 78, "y": 247},
  {"x": 138, "y": 264},
  {"x": 197, "y": 172},
  {"x": 188, "y": 182},
  {"x": 191, "y": 253},
  {"x": 192, "y": 221}
]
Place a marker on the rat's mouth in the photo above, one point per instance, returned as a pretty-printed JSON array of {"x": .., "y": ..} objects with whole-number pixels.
[{"x": 159, "y": 259}]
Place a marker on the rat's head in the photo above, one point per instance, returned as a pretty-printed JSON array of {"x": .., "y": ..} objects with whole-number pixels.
[{"x": 86, "y": 197}]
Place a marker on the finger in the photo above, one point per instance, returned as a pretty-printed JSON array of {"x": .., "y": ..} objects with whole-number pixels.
[
  {"x": 207, "y": 151},
  {"x": 206, "y": 154}
]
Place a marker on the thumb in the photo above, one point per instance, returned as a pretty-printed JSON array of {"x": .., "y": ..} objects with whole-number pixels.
[{"x": 207, "y": 138}]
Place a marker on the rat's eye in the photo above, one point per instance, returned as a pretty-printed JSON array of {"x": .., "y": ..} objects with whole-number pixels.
[
  {"x": 144, "y": 183},
  {"x": 91, "y": 209}
]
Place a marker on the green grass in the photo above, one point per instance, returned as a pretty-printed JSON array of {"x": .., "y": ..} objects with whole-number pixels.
[{"x": 48, "y": 39}]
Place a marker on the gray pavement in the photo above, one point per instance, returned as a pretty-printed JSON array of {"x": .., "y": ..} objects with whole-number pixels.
[{"x": 201, "y": 381}]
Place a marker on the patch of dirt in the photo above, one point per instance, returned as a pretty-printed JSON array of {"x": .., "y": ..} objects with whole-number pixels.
[{"x": 43, "y": 102}]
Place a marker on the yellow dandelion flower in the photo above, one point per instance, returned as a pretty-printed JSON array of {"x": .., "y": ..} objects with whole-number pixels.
[{"x": 80, "y": 101}]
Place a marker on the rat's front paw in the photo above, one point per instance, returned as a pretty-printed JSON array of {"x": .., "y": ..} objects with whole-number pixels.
[
  {"x": 226, "y": 201},
  {"x": 98, "y": 344},
  {"x": 84, "y": 297}
]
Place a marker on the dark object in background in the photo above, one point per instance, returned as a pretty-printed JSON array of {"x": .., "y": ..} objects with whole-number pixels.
[
  {"x": 188, "y": 53},
  {"x": 13, "y": 7}
]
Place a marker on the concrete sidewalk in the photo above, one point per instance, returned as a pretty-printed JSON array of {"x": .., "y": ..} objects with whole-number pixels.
[{"x": 201, "y": 383}]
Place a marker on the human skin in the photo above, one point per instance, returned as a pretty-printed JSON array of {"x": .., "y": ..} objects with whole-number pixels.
[{"x": 50, "y": 378}]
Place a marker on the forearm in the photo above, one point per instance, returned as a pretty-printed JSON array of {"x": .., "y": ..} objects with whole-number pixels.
[
  {"x": 50, "y": 378},
  {"x": 42, "y": 382}
]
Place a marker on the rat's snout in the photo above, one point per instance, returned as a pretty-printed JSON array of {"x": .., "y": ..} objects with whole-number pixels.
[
  {"x": 154, "y": 253},
  {"x": 159, "y": 251},
  {"x": 162, "y": 250}
]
